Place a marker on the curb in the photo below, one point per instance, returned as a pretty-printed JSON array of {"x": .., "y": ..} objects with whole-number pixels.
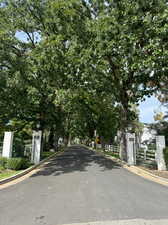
[
  {"x": 136, "y": 170},
  {"x": 21, "y": 174},
  {"x": 145, "y": 174}
]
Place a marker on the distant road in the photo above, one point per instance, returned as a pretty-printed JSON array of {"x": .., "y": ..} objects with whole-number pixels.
[{"x": 83, "y": 187}]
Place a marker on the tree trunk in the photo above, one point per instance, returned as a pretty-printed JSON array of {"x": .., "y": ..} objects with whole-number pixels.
[
  {"x": 102, "y": 142},
  {"x": 42, "y": 141},
  {"x": 51, "y": 139},
  {"x": 56, "y": 138},
  {"x": 65, "y": 140},
  {"x": 124, "y": 126}
]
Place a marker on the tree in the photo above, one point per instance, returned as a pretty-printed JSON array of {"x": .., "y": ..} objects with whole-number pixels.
[
  {"x": 107, "y": 50},
  {"x": 122, "y": 51},
  {"x": 36, "y": 69}
]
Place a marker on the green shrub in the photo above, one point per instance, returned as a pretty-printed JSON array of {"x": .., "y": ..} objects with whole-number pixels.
[
  {"x": 18, "y": 148},
  {"x": 14, "y": 163},
  {"x": 3, "y": 162},
  {"x": 166, "y": 156},
  {"x": 46, "y": 154},
  {"x": 17, "y": 163},
  {"x": 1, "y": 168},
  {"x": 25, "y": 163}
]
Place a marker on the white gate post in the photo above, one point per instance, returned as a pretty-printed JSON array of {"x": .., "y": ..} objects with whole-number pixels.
[
  {"x": 131, "y": 155},
  {"x": 36, "y": 147},
  {"x": 160, "y": 145},
  {"x": 93, "y": 144},
  {"x": 7, "y": 145}
]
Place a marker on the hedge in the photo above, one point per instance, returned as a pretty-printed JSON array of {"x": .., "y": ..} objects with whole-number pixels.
[
  {"x": 14, "y": 163},
  {"x": 3, "y": 162}
]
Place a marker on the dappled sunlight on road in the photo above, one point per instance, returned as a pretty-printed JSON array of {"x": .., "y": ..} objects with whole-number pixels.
[{"x": 76, "y": 158}]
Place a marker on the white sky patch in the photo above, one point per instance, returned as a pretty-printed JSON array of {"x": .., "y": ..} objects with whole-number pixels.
[
  {"x": 22, "y": 36},
  {"x": 152, "y": 73}
]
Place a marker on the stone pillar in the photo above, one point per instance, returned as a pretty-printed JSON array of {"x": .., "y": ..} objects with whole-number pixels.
[
  {"x": 131, "y": 154},
  {"x": 36, "y": 147},
  {"x": 7, "y": 145},
  {"x": 160, "y": 145}
]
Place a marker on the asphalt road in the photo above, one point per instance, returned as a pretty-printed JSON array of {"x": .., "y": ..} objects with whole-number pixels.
[{"x": 83, "y": 187}]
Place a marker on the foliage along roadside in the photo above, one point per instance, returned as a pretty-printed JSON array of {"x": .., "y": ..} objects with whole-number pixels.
[
  {"x": 80, "y": 66},
  {"x": 12, "y": 166},
  {"x": 108, "y": 153},
  {"x": 8, "y": 173},
  {"x": 14, "y": 163}
]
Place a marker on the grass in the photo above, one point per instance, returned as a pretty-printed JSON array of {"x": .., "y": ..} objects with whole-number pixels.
[
  {"x": 46, "y": 155},
  {"x": 109, "y": 153},
  {"x": 112, "y": 154},
  {"x": 8, "y": 173}
]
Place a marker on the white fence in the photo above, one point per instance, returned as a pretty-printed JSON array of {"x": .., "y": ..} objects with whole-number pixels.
[
  {"x": 28, "y": 148},
  {"x": 108, "y": 148},
  {"x": 146, "y": 154},
  {"x": 17, "y": 147},
  {"x": 112, "y": 148},
  {"x": 153, "y": 156}
]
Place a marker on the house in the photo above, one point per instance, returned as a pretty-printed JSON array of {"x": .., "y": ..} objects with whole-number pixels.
[{"x": 148, "y": 136}]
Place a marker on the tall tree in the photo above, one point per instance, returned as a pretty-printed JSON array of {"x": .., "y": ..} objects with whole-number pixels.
[
  {"x": 123, "y": 50},
  {"x": 43, "y": 63}
]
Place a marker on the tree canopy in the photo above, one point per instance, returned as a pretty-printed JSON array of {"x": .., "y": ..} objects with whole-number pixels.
[{"x": 78, "y": 66}]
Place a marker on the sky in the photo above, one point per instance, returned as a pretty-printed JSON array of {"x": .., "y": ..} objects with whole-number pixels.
[
  {"x": 148, "y": 109},
  {"x": 23, "y": 37}
]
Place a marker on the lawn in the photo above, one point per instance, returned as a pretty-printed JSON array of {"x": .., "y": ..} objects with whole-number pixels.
[
  {"x": 116, "y": 155},
  {"x": 8, "y": 173},
  {"x": 5, "y": 173},
  {"x": 46, "y": 155},
  {"x": 112, "y": 154}
]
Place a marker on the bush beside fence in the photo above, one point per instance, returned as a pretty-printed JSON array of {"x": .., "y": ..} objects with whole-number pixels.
[{"x": 14, "y": 163}]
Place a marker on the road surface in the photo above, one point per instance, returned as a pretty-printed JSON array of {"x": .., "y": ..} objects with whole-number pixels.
[{"x": 83, "y": 187}]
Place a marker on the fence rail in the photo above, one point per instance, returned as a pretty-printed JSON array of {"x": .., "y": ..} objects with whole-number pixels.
[
  {"x": 28, "y": 148},
  {"x": 112, "y": 148},
  {"x": 149, "y": 154}
]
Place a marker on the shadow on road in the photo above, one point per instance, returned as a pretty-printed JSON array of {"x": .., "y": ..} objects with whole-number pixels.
[{"x": 76, "y": 158}]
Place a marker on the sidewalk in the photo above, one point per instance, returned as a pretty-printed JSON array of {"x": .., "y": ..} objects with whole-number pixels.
[{"x": 163, "y": 174}]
